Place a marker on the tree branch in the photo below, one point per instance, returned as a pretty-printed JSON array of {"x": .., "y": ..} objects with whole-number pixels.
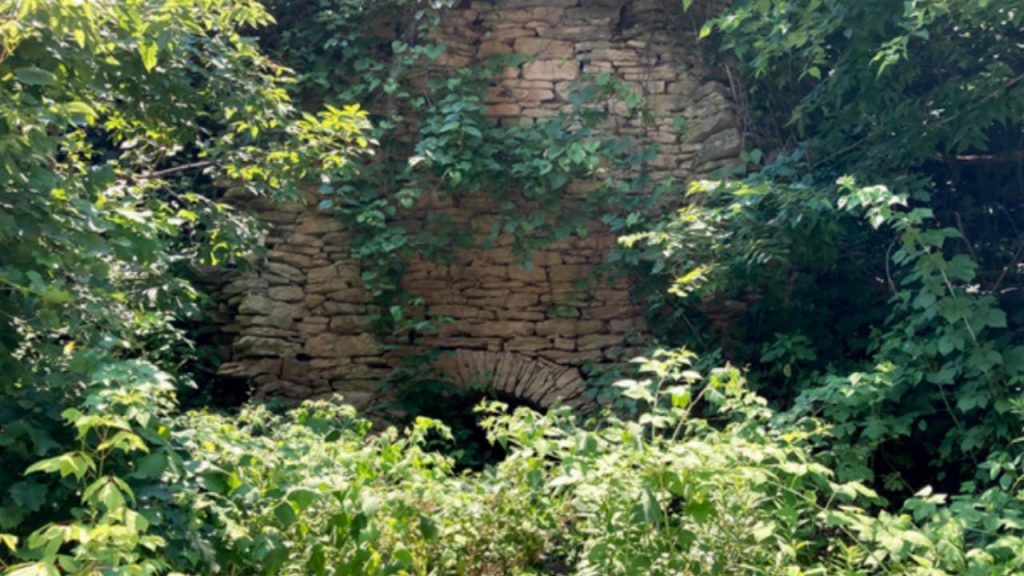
[
  {"x": 176, "y": 169},
  {"x": 996, "y": 158}
]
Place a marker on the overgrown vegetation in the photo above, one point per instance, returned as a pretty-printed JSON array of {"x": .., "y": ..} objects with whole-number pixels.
[{"x": 872, "y": 249}]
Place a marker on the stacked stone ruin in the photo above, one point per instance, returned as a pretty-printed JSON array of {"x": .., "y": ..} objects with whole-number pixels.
[{"x": 299, "y": 326}]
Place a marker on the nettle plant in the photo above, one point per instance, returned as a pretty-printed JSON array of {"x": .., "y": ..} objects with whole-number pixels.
[
  {"x": 946, "y": 373},
  {"x": 123, "y": 440},
  {"x": 930, "y": 400},
  {"x": 116, "y": 120}
]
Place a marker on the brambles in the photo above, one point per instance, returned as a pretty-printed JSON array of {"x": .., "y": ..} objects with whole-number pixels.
[{"x": 865, "y": 275}]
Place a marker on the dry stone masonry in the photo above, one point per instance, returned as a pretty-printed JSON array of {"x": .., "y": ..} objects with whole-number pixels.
[{"x": 299, "y": 326}]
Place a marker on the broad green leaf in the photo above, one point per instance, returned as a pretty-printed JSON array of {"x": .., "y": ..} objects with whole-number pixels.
[
  {"x": 148, "y": 50},
  {"x": 33, "y": 569},
  {"x": 34, "y": 76}
]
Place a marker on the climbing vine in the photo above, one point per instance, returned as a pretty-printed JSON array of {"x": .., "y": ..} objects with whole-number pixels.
[{"x": 435, "y": 139}]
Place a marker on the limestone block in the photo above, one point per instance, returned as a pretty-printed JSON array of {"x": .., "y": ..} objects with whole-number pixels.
[
  {"x": 609, "y": 312},
  {"x": 305, "y": 240},
  {"x": 545, "y": 47},
  {"x": 506, "y": 109},
  {"x": 244, "y": 285},
  {"x": 314, "y": 300},
  {"x": 257, "y": 305},
  {"x": 295, "y": 370},
  {"x": 569, "y": 272},
  {"x": 256, "y": 347},
  {"x": 597, "y": 341},
  {"x": 568, "y": 327},
  {"x": 322, "y": 345},
  {"x": 570, "y": 358},
  {"x": 494, "y": 48},
  {"x": 460, "y": 311},
  {"x": 626, "y": 325},
  {"x": 519, "y": 315},
  {"x": 361, "y": 345},
  {"x": 319, "y": 225},
  {"x": 290, "y": 272},
  {"x": 532, "y": 275},
  {"x": 462, "y": 342},
  {"x": 299, "y": 249},
  {"x": 278, "y": 216},
  {"x": 286, "y": 293},
  {"x": 546, "y": 258},
  {"x": 271, "y": 332},
  {"x": 725, "y": 144},
  {"x": 565, "y": 343},
  {"x": 250, "y": 368},
  {"x": 528, "y": 344},
  {"x": 331, "y": 308},
  {"x": 322, "y": 274},
  {"x": 300, "y": 261},
  {"x": 275, "y": 280},
  {"x": 550, "y": 70},
  {"x": 508, "y": 329},
  {"x": 351, "y": 295},
  {"x": 350, "y": 324},
  {"x": 684, "y": 86},
  {"x": 500, "y": 34}
]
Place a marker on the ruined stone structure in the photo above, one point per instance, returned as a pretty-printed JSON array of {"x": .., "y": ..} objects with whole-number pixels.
[{"x": 299, "y": 327}]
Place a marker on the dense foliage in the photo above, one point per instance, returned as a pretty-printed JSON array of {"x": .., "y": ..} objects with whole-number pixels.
[
  {"x": 870, "y": 259},
  {"x": 116, "y": 120}
]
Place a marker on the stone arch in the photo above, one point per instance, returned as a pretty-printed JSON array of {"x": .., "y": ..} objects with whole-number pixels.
[{"x": 537, "y": 381}]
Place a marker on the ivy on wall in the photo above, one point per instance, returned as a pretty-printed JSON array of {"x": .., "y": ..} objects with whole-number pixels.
[{"x": 435, "y": 139}]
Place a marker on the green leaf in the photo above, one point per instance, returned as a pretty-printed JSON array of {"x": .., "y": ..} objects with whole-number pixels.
[
  {"x": 302, "y": 498},
  {"x": 33, "y": 569},
  {"x": 70, "y": 463},
  {"x": 428, "y": 529},
  {"x": 34, "y": 76},
  {"x": 648, "y": 511},
  {"x": 317, "y": 563},
  {"x": 148, "y": 51},
  {"x": 700, "y": 509},
  {"x": 285, "y": 514},
  {"x": 151, "y": 466},
  {"x": 81, "y": 109},
  {"x": 28, "y": 495}
]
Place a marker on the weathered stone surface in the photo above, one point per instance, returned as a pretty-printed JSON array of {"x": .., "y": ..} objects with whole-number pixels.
[
  {"x": 354, "y": 324},
  {"x": 527, "y": 344},
  {"x": 508, "y": 329},
  {"x": 610, "y": 312},
  {"x": 550, "y": 70},
  {"x": 287, "y": 293},
  {"x": 555, "y": 49},
  {"x": 361, "y": 345},
  {"x": 289, "y": 258},
  {"x": 322, "y": 274},
  {"x": 321, "y": 345},
  {"x": 290, "y": 272},
  {"x": 255, "y": 304},
  {"x": 301, "y": 323},
  {"x": 597, "y": 342},
  {"x": 250, "y": 368},
  {"x": 568, "y": 327},
  {"x": 256, "y": 347}
]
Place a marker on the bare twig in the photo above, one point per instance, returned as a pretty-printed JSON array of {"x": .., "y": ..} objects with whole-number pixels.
[
  {"x": 965, "y": 238},
  {"x": 177, "y": 169},
  {"x": 997, "y": 158},
  {"x": 1006, "y": 269}
]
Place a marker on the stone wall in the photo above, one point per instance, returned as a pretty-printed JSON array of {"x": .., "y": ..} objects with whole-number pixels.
[{"x": 300, "y": 325}]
